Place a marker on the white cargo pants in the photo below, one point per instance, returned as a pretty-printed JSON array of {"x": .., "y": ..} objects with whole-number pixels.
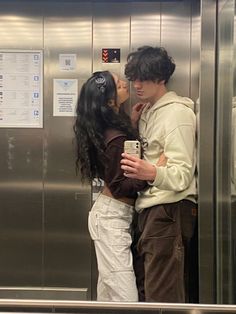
[{"x": 109, "y": 226}]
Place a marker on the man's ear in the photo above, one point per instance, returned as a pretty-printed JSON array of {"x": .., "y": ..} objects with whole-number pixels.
[{"x": 161, "y": 82}]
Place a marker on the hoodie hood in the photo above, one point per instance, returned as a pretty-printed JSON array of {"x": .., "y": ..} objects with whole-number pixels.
[
  {"x": 170, "y": 98},
  {"x": 234, "y": 101}
]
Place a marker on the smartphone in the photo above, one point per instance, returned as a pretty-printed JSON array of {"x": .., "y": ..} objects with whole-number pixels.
[{"x": 133, "y": 148}]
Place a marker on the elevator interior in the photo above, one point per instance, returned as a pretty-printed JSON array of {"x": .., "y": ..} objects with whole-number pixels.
[{"x": 43, "y": 213}]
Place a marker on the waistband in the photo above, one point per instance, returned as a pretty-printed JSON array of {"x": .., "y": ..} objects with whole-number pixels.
[
  {"x": 105, "y": 200},
  {"x": 127, "y": 200}
]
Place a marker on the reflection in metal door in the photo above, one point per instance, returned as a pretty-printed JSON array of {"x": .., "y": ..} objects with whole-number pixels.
[{"x": 43, "y": 227}]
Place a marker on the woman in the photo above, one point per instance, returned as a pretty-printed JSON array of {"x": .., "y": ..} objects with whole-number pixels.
[{"x": 101, "y": 130}]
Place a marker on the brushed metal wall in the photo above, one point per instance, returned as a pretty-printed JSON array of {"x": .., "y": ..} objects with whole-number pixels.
[
  {"x": 44, "y": 238},
  {"x": 206, "y": 152},
  {"x": 215, "y": 215},
  {"x": 224, "y": 213},
  {"x": 43, "y": 226},
  {"x": 21, "y": 162}
]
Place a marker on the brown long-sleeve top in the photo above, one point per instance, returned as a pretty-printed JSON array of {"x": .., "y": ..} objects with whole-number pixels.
[{"x": 119, "y": 185}]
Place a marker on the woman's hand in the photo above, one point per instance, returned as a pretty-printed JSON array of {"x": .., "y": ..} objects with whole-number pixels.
[
  {"x": 162, "y": 161},
  {"x": 137, "y": 168},
  {"x": 136, "y": 113}
]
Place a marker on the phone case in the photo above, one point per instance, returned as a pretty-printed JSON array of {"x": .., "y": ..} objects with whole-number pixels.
[{"x": 132, "y": 148}]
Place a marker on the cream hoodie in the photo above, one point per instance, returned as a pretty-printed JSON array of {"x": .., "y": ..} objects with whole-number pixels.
[{"x": 169, "y": 126}]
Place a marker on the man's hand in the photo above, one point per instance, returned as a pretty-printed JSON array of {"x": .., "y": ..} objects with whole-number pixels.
[{"x": 137, "y": 168}]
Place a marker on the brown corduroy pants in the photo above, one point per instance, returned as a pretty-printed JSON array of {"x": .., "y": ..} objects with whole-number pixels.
[{"x": 161, "y": 251}]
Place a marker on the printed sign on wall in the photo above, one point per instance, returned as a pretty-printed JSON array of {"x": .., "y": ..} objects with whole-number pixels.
[
  {"x": 65, "y": 94},
  {"x": 21, "y": 89}
]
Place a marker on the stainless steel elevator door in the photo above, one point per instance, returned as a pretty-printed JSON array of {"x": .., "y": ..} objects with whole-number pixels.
[{"x": 43, "y": 213}]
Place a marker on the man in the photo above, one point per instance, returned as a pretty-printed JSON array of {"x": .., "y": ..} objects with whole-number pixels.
[{"x": 167, "y": 207}]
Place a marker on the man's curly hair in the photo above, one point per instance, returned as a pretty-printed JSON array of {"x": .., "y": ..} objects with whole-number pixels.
[{"x": 149, "y": 64}]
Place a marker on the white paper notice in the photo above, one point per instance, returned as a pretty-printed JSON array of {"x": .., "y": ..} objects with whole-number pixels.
[
  {"x": 65, "y": 94},
  {"x": 21, "y": 89},
  {"x": 67, "y": 62}
]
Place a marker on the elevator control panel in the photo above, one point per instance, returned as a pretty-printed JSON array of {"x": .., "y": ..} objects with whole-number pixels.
[{"x": 111, "y": 55}]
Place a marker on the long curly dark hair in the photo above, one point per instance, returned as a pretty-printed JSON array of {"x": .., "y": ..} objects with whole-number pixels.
[{"x": 94, "y": 117}]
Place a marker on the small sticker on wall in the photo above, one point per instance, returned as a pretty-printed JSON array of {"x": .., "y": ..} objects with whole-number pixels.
[
  {"x": 110, "y": 55},
  {"x": 97, "y": 187},
  {"x": 67, "y": 62}
]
